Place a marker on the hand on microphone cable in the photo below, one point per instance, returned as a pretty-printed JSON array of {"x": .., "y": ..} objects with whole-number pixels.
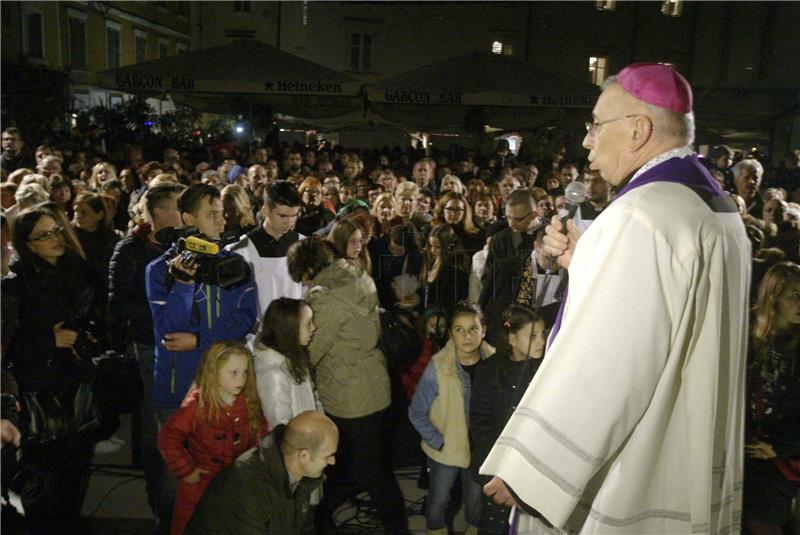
[{"x": 558, "y": 244}]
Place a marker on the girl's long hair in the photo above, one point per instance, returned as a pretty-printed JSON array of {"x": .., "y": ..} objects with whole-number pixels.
[
  {"x": 515, "y": 318},
  {"x": 775, "y": 282},
  {"x": 207, "y": 381},
  {"x": 340, "y": 234},
  {"x": 452, "y": 251},
  {"x": 280, "y": 330},
  {"x": 465, "y": 226}
]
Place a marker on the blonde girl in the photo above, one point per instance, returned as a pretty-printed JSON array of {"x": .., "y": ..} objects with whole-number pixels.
[{"x": 220, "y": 419}]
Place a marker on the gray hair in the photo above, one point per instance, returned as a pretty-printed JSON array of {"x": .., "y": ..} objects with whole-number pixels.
[
  {"x": 666, "y": 123},
  {"x": 749, "y": 164},
  {"x": 35, "y": 178},
  {"x": 30, "y": 194}
]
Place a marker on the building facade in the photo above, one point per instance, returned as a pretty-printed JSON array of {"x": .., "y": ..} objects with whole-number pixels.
[{"x": 83, "y": 38}]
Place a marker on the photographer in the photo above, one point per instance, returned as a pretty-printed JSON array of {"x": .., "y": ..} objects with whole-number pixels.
[
  {"x": 190, "y": 314},
  {"x": 56, "y": 297}
]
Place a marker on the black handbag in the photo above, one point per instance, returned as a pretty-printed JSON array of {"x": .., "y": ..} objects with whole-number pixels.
[{"x": 399, "y": 342}]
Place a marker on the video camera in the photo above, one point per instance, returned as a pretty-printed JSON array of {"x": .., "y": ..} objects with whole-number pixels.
[{"x": 212, "y": 268}]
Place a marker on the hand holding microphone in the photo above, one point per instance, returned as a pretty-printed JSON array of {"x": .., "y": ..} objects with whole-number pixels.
[{"x": 561, "y": 235}]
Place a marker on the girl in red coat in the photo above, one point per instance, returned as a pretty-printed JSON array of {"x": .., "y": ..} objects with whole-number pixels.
[{"x": 220, "y": 419}]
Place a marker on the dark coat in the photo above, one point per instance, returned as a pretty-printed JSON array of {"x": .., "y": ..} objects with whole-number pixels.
[
  {"x": 491, "y": 405},
  {"x": 253, "y": 496},
  {"x": 127, "y": 296},
  {"x": 47, "y": 294}
]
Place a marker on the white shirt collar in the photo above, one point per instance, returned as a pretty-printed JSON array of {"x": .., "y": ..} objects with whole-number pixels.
[{"x": 681, "y": 152}]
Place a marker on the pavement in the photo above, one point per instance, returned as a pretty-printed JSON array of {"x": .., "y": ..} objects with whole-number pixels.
[{"x": 116, "y": 502}]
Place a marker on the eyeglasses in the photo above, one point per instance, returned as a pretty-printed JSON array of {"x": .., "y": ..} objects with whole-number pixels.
[
  {"x": 591, "y": 128},
  {"x": 521, "y": 218},
  {"x": 56, "y": 232}
]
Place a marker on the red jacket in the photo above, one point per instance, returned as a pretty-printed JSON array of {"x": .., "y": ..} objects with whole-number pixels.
[{"x": 210, "y": 446}]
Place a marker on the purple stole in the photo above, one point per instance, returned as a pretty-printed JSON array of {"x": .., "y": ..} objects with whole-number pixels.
[{"x": 687, "y": 171}]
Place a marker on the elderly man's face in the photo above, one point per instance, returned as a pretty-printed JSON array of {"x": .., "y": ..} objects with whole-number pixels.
[
  {"x": 746, "y": 182},
  {"x": 607, "y": 144}
]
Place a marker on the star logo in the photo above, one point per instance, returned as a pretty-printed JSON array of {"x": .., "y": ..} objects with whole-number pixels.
[
  {"x": 533, "y": 99},
  {"x": 269, "y": 86}
]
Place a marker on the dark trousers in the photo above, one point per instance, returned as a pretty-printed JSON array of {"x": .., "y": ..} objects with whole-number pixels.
[
  {"x": 363, "y": 463},
  {"x": 66, "y": 460}
]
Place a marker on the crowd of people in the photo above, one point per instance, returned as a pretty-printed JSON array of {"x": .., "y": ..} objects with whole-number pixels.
[{"x": 339, "y": 247}]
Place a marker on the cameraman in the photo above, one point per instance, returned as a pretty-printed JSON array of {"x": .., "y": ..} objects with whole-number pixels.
[{"x": 189, "y": 316}]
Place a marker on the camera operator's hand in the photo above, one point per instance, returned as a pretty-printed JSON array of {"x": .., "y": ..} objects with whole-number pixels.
[
  {"x": 9, "y": 433},
  {"x": 64, "y": 337},
  {"x": 183, "y": 269},
  {"x": 179, "y": 341}
]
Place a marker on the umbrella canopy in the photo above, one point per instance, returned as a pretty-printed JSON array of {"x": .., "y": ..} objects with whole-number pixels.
[
  {"x": 228, "y": 77},
  {"x": 477, "y": 86}
]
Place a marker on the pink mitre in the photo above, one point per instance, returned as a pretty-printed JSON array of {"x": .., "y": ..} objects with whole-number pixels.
[{"x": 656, "y": 84}]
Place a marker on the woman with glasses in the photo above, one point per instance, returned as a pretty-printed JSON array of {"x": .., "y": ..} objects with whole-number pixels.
[
  {"x": 454, "y": 210},
  {"x": 313, "y": 213},
  {"x": 56, "y": 298}
]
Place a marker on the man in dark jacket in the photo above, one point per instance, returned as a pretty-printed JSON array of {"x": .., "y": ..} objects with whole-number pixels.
[
  {"x": 267, "y": 489},
  {"x": 127, "y": 301},
  {"x": 509, "y": 256}
]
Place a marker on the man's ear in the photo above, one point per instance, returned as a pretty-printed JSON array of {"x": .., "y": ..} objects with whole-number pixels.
[
  {"x": 642, "y": 131},
  {"x": 187, "y": 219}
]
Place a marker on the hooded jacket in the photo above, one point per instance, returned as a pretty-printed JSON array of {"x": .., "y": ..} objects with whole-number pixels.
[
  {"x": 350, "y": 371},
  {"x": 208, "y": 311}
]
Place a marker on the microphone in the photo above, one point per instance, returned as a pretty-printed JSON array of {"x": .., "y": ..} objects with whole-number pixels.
[{"x": 576, "y": 194}]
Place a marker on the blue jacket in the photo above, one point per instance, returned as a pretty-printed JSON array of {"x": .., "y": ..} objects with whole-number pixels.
[{"x": 210, "y": 312}]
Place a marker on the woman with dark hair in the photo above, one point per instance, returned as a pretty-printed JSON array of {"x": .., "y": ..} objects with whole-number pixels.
[
  {"x": 93, "y": 228},
  {"x": 351, "y": 375},
  {"x": 282, "y": 363},
  {"x": 62, "y": 193},
  {"x": 403, "y": 256},
  {"x": 772, "y": 453},
  {"x": 445, "y": 269},
  {"x": 52, "y": 283},
  {"x": 497, "y": 388}
]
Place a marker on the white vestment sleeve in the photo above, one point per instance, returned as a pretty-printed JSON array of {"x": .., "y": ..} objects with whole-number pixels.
[{"x": 602, "y": 369}]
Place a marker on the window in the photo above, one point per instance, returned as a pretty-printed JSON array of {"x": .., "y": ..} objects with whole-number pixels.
[
  {"x": 180, "y": 49},
  {"x": 241, "y": 7},
  {"x": 672, "y": 8},
  {"x": 112, "y": 45},
  {"x": 77, "y": 42},
  {"x": 140, "y": 41},
  {"x": 598, "y": 69},
  {"x": 360, "y": 52},
  {"x": 163, "y": 48},
  {"x": 34, "y": 38},
  {"x": 504, "y": 49},
  {"x": 605, "y": 5}
]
